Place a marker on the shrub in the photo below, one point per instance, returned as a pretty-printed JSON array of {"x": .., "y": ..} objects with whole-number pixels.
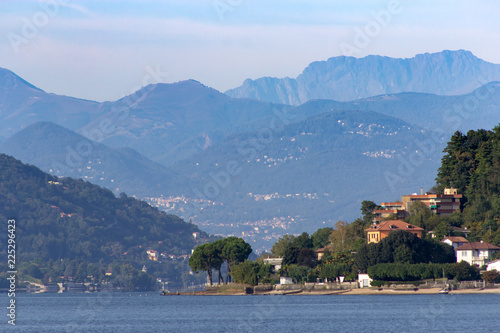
[{"x": 376, "y": 283}]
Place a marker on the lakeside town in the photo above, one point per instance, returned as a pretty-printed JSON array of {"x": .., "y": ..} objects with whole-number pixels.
[
  {"x": 478, "y": 260},
  {"x": 283, "y": 277}
]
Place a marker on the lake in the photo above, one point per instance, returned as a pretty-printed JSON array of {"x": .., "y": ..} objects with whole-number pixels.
[{"x": 141, "y": 312}]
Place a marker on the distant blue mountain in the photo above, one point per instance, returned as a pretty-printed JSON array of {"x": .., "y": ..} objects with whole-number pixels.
[
  {"x": 22, "y": 104},
  {"x": 169, "y": 122},
  {"x": 348, "y": 78},
  {"x": 62, "y": 152}
]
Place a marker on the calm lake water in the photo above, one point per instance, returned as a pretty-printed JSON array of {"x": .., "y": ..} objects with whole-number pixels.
[{"x": 139, "y": 312}]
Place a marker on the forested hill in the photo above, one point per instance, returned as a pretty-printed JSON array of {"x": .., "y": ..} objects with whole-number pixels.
[
  {"x": 471, "y": 163},
  {"x": 64, "y": 218}
]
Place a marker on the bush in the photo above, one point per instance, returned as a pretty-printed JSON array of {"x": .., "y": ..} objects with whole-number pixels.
[
  {"x": 312, "y": 278},
  {"x": 376, "y": 283},
  {"x": 491, "y": 276},
  {"x": 415, "y": 272}
]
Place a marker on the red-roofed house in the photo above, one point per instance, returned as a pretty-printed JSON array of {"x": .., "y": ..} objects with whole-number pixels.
[
  {"x": 476, "y": 253},
  {"x": 152, "y": 255},
  {"x": 321, "y": 252},
  {"x": 379, "y": 231},
  {"x": 454, "y": 241}
]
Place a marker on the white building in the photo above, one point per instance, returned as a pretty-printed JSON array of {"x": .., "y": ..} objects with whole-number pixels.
[
  {"x": 274, "y": 262},
  {"x": 494, "y": 265},
  {"x": 476, "y": 253},
  {"x": 454, "y": 241},
  {"x": 364, "y": 280}
]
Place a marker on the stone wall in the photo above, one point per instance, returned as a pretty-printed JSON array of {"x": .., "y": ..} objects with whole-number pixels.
[{"x": 318, "y": 286}]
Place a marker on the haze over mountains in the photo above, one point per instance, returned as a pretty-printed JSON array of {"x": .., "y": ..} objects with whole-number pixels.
[
  {"x": 348, "y": 78},
  {"x": 170, "y": 122},
  {"x": 258, "y": 169},
  {"x": 63, "y": 152},
  {"x": 22, "y": 104}
]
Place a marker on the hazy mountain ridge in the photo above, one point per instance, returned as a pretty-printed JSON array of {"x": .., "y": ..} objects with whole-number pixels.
[
  {"x": 477, "y": 109},
  {"x": 22, "y": 104},
  {"x": 63, "y": 152},
  {"x": 169, "y": 122},
  {"x": 196, "y": 131},
  {"x": 318, "y": 169},
  {"x": 348, "y": 78}
]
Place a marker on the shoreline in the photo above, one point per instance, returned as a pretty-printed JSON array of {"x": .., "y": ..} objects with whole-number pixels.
[{"x": 362, "y": 292}]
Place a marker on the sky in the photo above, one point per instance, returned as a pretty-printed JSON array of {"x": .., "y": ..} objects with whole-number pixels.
[{"x": 104, "y": 50}]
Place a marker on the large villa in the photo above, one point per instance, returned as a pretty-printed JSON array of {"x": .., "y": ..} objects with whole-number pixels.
[{"x": 377, "y": 232}]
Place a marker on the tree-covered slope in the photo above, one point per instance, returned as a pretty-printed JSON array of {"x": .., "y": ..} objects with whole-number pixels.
[
  {"x": 73, "y": 220},
  {"x": 471, "y": 163},
  {"x": 304, "y": 173}
]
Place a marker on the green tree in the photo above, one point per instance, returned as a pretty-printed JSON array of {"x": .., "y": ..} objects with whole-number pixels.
[
  {"x": 303, "y": 241},
  {"x": 490, "y": 276},
  {"x": 234, "y": 250},
  {"x": 342, "y": 238},
  {"x": 321, "y": 237},
  {"x": 403, "y": 254},
  {"x": 206, "y": 257},
  {"x": 419, "y": 214},
  {"x": 403, "y": 247},
  {"x": 249, "y": 272},
  {"x": 465, "y": 272},
  {"x": 367, "y": 208},
  {"x": 298, "y": 273},
  {"x": 291, "y": 256},
  {"x": 306, "y": 257},
  {"x": 281, "y": 246}
]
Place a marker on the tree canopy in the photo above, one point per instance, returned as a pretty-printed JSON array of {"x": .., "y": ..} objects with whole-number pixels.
[
  {"x": 231, "y": 250},
  {"x": 471, "y": 163},
  {"x": 403, "y": 247}
]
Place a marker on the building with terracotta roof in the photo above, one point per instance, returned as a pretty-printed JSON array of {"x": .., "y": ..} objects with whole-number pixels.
[
  {"x": 377, "y": 232},
  {"x": 441, "y": 204},
  {"x": 152, "y": 255},
  {"x": 321, "y": 252},
  {"x": 476, "y": 253},
  {"x": 454, "y": 241}
]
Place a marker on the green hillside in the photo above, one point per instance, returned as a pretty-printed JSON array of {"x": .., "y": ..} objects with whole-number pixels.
[
  {"x": 68, "y": 227},
  {"x": 471, "y": 163},
  {"x": 315, "y": 170}
]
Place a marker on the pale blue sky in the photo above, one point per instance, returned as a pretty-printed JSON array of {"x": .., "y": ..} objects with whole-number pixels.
[{"x": 103, "y": 50}]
